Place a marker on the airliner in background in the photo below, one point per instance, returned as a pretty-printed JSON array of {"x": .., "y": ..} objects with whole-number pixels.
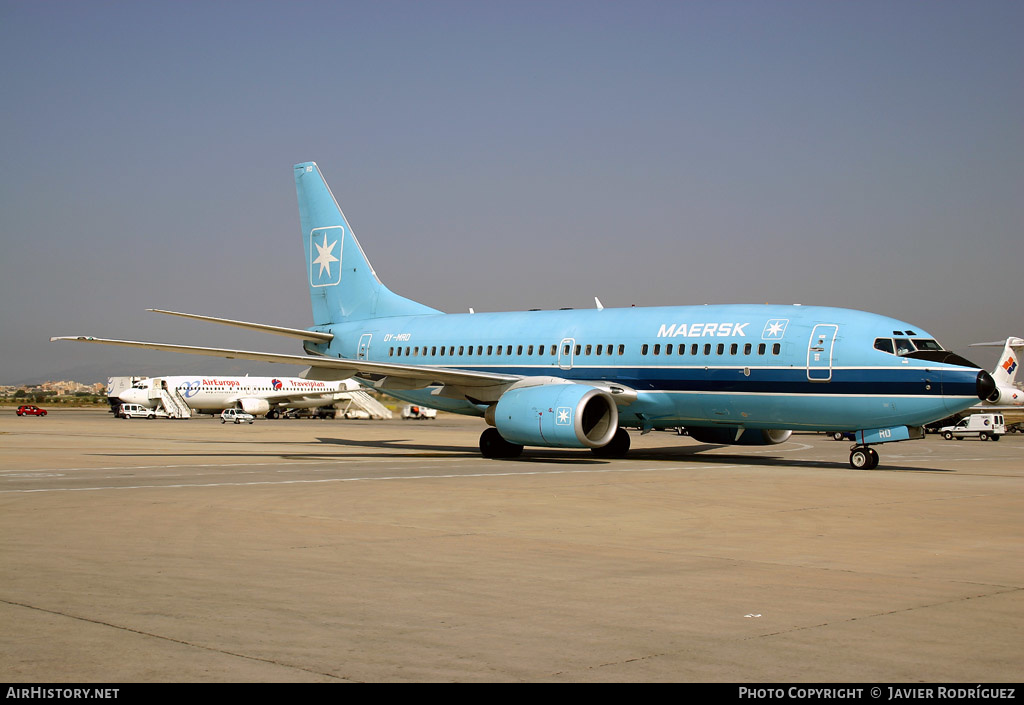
[
  {"x": 1006, "y": 398},
  {"x": 730, "y": 374},
  {"x": 259, "y": 396}
]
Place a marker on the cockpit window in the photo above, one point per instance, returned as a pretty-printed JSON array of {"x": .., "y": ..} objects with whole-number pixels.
[{"x": 906, "y": 346}]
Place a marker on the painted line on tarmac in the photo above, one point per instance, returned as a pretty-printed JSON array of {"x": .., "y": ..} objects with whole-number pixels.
[
  {"x": 59, "y": 472},
  {"x": 257, "y": 483}
]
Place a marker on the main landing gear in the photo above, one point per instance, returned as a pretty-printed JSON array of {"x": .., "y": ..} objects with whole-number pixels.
[
  {"x": 492, "y": 445},
  {"x": 864, "y": 458}
]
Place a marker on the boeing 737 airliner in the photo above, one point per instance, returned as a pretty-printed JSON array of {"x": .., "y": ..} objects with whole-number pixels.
[
  {"x": 731, "y": 374},
  {"x": 259, "y": 396}
]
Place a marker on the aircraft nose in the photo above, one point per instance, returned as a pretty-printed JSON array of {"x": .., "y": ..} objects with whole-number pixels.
[
  {"x": 985, "y": 385},
  {"x": 129, "y": 396}
]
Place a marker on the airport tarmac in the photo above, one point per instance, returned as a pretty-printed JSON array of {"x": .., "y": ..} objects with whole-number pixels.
[{"x": 388, "y": 551}]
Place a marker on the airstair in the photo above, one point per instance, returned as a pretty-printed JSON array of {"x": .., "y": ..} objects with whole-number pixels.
[
  {"x": 358, "y": 399},
  {"x": 170, "y": 399},
  {"x": 175, "y": 404}
]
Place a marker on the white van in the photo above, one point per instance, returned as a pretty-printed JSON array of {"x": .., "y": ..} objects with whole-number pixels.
[
  {"x": 133, "y": 411},
  {"x": 984, "y": 426}
]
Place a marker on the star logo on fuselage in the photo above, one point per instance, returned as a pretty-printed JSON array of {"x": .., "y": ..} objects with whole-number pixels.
[{"x": 774, "y": 329}]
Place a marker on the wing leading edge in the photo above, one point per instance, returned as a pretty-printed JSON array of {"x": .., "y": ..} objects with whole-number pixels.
[{"x": 391, "y": 375}]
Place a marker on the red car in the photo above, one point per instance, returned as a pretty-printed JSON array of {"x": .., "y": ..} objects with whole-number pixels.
[{"x": 31, "y": 411}]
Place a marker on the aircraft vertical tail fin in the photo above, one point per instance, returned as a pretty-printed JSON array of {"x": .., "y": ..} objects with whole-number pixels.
[
  {"x": 342, "y": 283},
  {"x": 1006, "y": 368}
]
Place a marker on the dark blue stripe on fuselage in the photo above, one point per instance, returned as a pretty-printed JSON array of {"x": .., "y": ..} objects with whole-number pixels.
[{"x": 888, "y": 382}]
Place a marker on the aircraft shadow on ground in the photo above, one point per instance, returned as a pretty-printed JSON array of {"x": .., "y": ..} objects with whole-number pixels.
[{"x": 405, "y": 448}]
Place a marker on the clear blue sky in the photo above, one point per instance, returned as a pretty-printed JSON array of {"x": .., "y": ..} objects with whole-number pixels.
[{"x": 501, "y": 156}]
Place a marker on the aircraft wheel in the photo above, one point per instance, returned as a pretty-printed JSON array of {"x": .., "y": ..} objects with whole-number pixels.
[
  {"x": 864, "y": 458},
  {"x": 617, "y": 447},
  {"x": 492, "y": 445}
]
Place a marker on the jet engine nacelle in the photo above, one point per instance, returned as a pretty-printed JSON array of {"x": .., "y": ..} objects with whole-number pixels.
[
  {"x": 557, "y": 415},
  {"x": 256, "y": 407},
  {"x": 1006, "y": 396},
  {"x": 749, "y": 437}
]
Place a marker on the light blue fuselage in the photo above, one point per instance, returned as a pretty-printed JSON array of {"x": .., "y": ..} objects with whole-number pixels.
[{"x": 754, "y": 366}]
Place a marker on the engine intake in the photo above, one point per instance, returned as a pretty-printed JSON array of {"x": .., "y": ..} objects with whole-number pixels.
[
  {"x": 1006, "y": 396},
  {"x": 557, "y": 416}
]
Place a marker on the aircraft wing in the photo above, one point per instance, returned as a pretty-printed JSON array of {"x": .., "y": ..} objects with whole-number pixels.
[
  {"x": 384, "y": 375},
  {"x": 299, "y": 333}
]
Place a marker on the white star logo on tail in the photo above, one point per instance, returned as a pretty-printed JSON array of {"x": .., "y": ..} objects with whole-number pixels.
[
  {"x": 323, "y": 253},
  {"x": 325, "y": 257}
]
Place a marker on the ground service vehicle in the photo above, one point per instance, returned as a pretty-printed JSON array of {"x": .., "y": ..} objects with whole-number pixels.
[
  {"x": 133, "y": 411},
  {"x": 29, "y": 410},
  {"x": 981, "y": 426},
  {"x": 235, "y": 415},
  {"x": 418, "y": 412}
]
